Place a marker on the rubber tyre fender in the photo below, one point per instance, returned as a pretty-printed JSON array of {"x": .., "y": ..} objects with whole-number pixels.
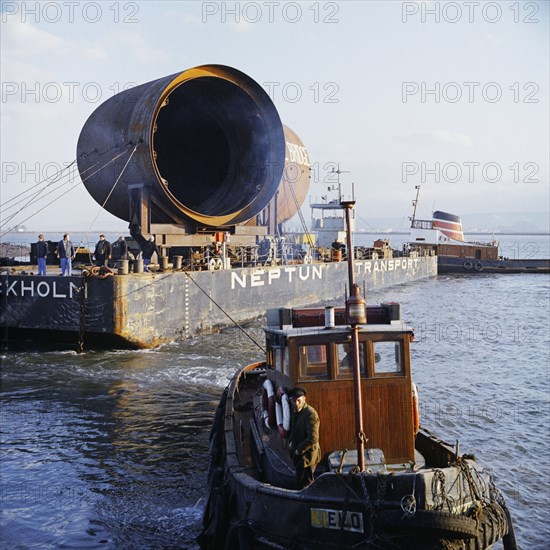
[
  {"x": 478, "y": 266},
  {"x": 467, "y": 265},
  {"x": 444, "y": 524}
]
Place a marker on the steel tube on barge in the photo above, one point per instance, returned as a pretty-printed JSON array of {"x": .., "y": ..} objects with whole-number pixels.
[{"x": 209, "y": 147}]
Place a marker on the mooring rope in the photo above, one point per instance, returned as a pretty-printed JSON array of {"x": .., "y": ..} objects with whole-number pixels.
[
  {"x": 69, "y": 190},
  {"x": 242, "y": 329},
  {"x": 55, "y": 178},
  {"x": 113, "y": 188}
]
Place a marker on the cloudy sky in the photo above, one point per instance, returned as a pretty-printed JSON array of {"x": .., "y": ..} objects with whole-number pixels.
[{"x": 449, "y": 95}]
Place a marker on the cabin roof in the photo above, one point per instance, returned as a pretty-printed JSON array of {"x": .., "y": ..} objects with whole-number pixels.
[{"x": 395, "y": 327}]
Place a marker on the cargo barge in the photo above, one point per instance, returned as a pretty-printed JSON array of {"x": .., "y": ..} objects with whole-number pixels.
[
  {"x": 199, "y": 163},
  {"x": 146, "y": 309}
]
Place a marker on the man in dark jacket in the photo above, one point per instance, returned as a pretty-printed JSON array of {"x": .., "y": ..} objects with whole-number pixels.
[
  {"x": 41, "y": 254},
  {"x": 102, "y": 252},
  {"x": 304, "y": 438},
  {"x": 66, "y": 253},
  {"x": 121, "y": 247},
  {"x": 147, "y": 251}
]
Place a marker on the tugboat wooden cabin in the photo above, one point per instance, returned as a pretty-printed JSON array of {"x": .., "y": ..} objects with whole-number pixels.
[
  {"x": 319, "y": 359},
  {"x": 383, "y": 482}
]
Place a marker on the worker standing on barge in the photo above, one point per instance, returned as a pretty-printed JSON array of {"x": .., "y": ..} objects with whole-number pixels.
[
  {"x": 304, "y": 438},
  {"x": 102, "y": 252},
  {"x": 147, "y": 250},
  {"x": 121, "y": 248},
  {"x": 41, "y": 254},
  {"x": 66, "y": 253}
]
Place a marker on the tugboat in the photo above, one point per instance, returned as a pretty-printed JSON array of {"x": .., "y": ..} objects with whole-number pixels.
[
  {"x": 443, "y": 236},
  {"x": 400, "y": 487}
]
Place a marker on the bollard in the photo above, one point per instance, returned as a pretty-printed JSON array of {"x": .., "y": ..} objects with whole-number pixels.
[
  {"x": 163, "y": 261},
  {"x": 122, "y": 267},
  {"x": 138, "y": 265},
  {"x": 177, "y": 261}
]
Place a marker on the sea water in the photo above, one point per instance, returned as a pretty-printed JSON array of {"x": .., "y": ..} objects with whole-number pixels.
[{"x": 110, "y": 449}]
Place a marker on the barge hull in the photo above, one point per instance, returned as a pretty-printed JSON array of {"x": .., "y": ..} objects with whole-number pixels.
[
  {"x": 145, "y": 310},
  {"x": 472, "y": 266}
]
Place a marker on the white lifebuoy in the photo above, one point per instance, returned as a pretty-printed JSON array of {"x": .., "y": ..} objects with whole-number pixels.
[
  {"x": 282, "y": 412},
  {"x": 268, "y": 405},
  {"x": 307, "y": 259}
]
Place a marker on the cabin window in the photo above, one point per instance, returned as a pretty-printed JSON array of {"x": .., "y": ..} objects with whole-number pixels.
[
  {"x": 282, "y": 360},
  {"x": 387, "y": 358},
  {"x": 313, "y": 361},
  {"x": 286, "y": 361},
  {"x": 278, "y": 355},
  {"x": 345, "y": 366}
]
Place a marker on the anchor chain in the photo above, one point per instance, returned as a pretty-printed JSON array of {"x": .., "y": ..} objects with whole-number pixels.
[
  {"x": 364, "y": 486},
  {"x": 408, "y": 502},
  {"x": 439, "y": 491},
  {"x": 82, "y": 319}
]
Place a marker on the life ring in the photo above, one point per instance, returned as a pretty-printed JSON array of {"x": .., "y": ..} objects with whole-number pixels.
[
  {"x": 268, "y": 405},
  {"x": 416, "y": 411},
  {"x": 307, "y": 259},
  {"x": 478, "y": 266},
  {"x": 282, "y": 414},
  {"x": 467, "y": 264}
]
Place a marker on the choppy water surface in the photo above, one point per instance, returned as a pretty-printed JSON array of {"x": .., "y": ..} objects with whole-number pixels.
[{"x": 110, "y": 449}]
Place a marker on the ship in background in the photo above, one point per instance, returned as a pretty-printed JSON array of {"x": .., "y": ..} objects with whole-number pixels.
[
  {"x": 201, "y": 162},
  {"x": 444, "y": 237}
]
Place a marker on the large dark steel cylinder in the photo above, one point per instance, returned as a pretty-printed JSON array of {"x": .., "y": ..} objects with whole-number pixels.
[{"x": 211, "y": 149}]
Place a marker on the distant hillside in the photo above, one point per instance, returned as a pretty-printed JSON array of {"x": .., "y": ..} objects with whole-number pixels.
[{"x": 511, "y": 222}]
